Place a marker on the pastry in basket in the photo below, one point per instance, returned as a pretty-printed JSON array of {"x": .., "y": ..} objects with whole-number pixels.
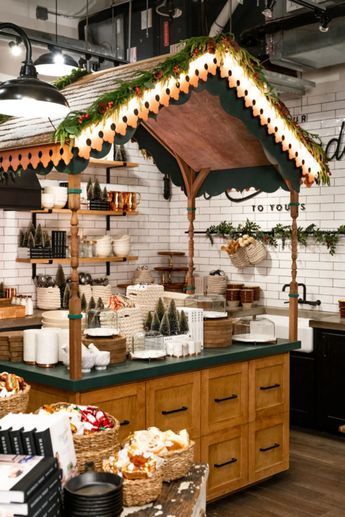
[
  {"x": 10, "y": 384},
  {"x": 132, "y": 463},
  {"x": 159, "y": 442}
]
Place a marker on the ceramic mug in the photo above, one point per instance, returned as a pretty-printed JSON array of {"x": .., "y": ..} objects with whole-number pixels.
[
  {"x": 131, "y": 200},
  {"x": 116, "y": 201}
]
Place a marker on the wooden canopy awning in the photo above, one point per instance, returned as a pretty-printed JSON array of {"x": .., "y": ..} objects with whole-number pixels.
[{"x": 214, "y": 115}]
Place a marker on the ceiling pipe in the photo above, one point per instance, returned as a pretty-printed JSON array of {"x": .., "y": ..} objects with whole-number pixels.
[
  {"x": 223, "y": 17},
  {"x": 288, "y": 23}
]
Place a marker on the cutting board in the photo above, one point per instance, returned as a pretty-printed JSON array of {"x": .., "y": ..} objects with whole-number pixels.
[{"x": 12, "y": 311}]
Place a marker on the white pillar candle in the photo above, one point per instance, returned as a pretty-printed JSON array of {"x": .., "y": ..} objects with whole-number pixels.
[
  {"x": 47, "y": 347},
  {"x": 29, "y": 345}
]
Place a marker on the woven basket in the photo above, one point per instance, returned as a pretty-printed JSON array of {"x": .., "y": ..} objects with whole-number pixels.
[
  {"x": 145, "y": 297},
  {"x": 137, "y": 492},
  {"x": 240, "y": 258},
  {"x": 86, "y": 291},
  {"x": 94, "y": 447},
  {"x": 177, "y": 463},
  {"x": 15, "y": 404},
  {"x": 130, "y": 322},
  {"x": 256, "y": 252},
  {"x": 48, "y": 298}
]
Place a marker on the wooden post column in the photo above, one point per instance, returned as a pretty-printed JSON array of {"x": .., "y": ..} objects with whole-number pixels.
[
  {"x": 191, "y": 217},
  {"x": 293, "y": 301},
  {"x": 74, "y": 303}
]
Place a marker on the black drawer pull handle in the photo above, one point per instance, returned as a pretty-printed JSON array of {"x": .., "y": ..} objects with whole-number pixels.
[
  {"x": 274, "y": 446},
  {"x": 218, "y": 465},
  {"x": 232, "y": 397},
  {"x": 263, "y": 388},
  {"x": 183, "y": 408},
  {"x": 124, "y": 422}
]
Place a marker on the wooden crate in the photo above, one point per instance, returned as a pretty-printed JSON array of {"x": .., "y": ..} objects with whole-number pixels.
[{"x": 12, "y": 311}]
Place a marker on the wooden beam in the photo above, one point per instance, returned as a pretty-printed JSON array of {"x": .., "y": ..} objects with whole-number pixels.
[
  {"x": 74, "y": 303},
  {"x": 293, "y": 301}
]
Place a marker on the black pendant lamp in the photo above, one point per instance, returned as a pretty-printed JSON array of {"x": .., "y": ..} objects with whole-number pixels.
[
  {"x": 27, "y": 96},
  {"x": 55, "y": 63}
]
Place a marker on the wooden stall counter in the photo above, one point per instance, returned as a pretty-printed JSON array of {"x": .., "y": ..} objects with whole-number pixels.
[{"x": 234, "y": 403}]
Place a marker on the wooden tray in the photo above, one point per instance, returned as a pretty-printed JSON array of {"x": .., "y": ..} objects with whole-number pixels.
[
  {"x": 12, "y": 311},
  {"x": 116, "y": 345}
]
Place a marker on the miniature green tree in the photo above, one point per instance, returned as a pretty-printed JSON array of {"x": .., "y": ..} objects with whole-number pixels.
[
  {"x": 100, "y": 304},
  {"x": 123, "y": 153},
  {"x": 47, "y": 241},
  {"x": 60, "y": 280},
  {"x": 39, "y": 237},
  {"x": 184, "y": 327},
  {"x": 155, "y": 323},
  {"x": 160, "y": 309},
  {"x": 31, "y": 228},
  {"x": 66, "y": 297},
  {"x": 25, "y": 239},
  {"x": 148, "y": 322},
  {"x": 92, "y": 304},
  {"x": 164, "y": 328},
  {"x": 89, "y": 191},
  {"x": 21, "y": 238},
  {"x": 31, "y": 240},
  {"x": 83, "y": 303},
  {"x": 173, "y": 318},
  {"x": 105, "y": 195},
  {"x": 97, "y": 191},
  {"x": 2, "y": 294}
]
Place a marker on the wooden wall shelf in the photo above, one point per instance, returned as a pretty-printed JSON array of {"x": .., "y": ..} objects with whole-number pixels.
[
  {"x": 110, "y": 213},
  {"x": 82, "y": 260},
  {"x": 110, "y": 163}
]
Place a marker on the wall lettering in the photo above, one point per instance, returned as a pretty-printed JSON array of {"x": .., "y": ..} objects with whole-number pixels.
[
  {"x": 335, "y": 149},
  {"x": 275, "y": 208}
]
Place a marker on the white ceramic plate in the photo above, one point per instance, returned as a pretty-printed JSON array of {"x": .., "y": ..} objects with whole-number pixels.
[
  {"x": 148, "y": 354},
  {"x": 215, "y": 314},
  {"x": 101, "y": 332},
  {"x": 252, "y": 338}
]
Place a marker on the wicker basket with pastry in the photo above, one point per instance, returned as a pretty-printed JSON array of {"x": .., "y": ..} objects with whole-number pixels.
[{"x": 14, "y": 394}]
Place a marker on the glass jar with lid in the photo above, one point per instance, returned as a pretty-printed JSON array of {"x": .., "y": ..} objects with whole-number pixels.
[
  {"x": 210, "y": 303},
  {"x": 148, "y": 345},
  {"x": 254, "y": 330}
]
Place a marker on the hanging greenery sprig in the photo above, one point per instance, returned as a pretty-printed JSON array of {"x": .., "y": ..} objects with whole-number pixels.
[
  {"x": 328, "y": 238},
  {"x": 66, "y": 80}
]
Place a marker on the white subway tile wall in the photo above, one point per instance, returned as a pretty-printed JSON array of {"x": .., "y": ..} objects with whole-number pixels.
[{"x": 162, "y": 224}]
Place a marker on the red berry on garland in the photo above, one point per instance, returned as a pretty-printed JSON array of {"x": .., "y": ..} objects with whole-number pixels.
[
  {"x": 110, "y": 104},
  {"x": 176, "y": 69},
  {"x": 138, "y": 91},
  {"x": 211, "y": 46},
  {"x": 159, "y": 74},
  {"x": 102, "y": 107},
  {"x": 196, "y": 52}
]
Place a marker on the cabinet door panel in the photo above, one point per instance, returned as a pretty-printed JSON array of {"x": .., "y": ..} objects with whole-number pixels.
[
  {"x": 226, "y": 452},
  {"x": 126, "y": 403},
  {"x": 174, "y": 403},
  {"x": 302, "y": 389},
  {"x": 268, "y": 447},
  {"x": 268, "y": 386},
  {"x": 224, "y": 397}
]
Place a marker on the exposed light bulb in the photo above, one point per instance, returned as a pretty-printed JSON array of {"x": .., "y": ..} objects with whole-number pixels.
[
  {"x": 323, "y": 28},
  {"x": 58, "y": 58},
  {"x": 16, "y": 48}
]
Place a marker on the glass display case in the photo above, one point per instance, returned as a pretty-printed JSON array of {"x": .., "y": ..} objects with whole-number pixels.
[
  {"x": 254, "y": 330},
  {"x": 209, "y": 303},
  {"x": 148, "y": 345}
]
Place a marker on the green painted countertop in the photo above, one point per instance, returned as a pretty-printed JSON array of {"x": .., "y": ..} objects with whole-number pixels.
[{"x": 131, "y": 371}]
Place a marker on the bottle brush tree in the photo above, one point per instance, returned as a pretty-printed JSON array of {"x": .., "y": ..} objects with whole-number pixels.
[
  {"x": 47, "y": 240},
  {"x": 155, "y": 323},
  {"x": 184, "y": 327},
  {"x": 60, "y": 278},
  {"x": 39, "y": 237},
  {"x": 97, "y": 191},
  {"x": 100, "y": 304},
  {"x": 89, "y": 189},
  {"x": 164, "y": 328},
  {"x": 105, "y": 195},
  {"x": 173, "y": 318},
  {"x": 25, "y": 239},
  {"x": 83, "y": 303},
  {"x": 66, "y": 297},
  {"x": 92, "y": 304},
  {"x": 31, "y": 240},
  {"x": 21, "y": 238},
  {"x": 160, "y": 309},
  {"x": 148, "y": 321}
]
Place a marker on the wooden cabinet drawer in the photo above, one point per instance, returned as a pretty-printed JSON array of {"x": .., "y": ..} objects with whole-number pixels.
[
  {"x": 126, "y": 403},
  {"x": 224, "y": 396},
  {"x": 174, "y": 403},
  {"x": 268, "y": 447},
  {"x": 268, "y": 386},
  {"x": 226, "y": 452}
]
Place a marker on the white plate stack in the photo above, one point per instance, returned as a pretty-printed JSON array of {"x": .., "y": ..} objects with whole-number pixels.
[
  {"x": 48, "y": 298},
  {"x": 58, "y": 319}
]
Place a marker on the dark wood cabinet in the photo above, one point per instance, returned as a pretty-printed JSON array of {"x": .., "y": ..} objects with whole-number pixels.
[
  {"x": 329, "y": 348},
  {"x": 302, "y": 389},
  {"x": 317, "y": 383}
]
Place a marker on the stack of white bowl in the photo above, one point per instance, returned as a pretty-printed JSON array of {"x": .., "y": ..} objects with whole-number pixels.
[
  {"x": 103, "y": 247},
  {"x": 57, "y": 319},
  {"x": 122, "y": 245},
  {"x": 57, "y": 195},
  {"x": 48, "y": 298}
]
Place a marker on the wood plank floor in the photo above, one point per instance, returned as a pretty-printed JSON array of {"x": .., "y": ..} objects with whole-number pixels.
[{"x": 314, "y": 485}]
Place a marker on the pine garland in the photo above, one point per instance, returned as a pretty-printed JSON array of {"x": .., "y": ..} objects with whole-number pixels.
[
  {"x": 66, "y": 80},
  {"x": 110, "y": 102},
  {"x": 281, "y": 232}
]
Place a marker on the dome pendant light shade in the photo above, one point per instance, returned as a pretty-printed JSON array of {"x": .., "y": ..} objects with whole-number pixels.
[
  {"x": 55, "y": 64},
  {"x": 27, "y": 96},
  {"x": 30, "y": 98}
]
